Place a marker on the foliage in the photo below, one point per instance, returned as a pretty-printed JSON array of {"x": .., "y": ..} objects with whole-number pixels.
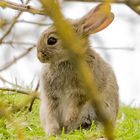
[{"x": 128, "y": 124}]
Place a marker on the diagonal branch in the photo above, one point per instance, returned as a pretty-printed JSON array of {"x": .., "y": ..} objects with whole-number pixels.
[
  {"x": 7, "y": 65},
  {"x": 3, "y": 4},
  {"x": 15, "y": 90},
  {"x": 22, "y": 91},
  {"x": 10, "y": 28},
  {"x": 17, "y": 43},
  {"x": 34, "y": 23},
  {"x": 26, "y": 22}
]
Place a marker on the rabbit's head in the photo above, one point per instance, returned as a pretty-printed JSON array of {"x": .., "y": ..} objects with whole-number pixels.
[{"x": 49, "y": 47}]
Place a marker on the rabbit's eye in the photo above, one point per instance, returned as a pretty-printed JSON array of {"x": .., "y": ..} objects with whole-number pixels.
[{"x": 52, "y": 41}]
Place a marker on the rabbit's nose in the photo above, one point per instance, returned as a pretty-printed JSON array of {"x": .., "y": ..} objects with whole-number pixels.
[{"x": 40, "y": 54}]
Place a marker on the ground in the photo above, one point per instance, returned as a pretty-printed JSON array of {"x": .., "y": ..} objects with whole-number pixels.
[{"x": 128, "y": 123}]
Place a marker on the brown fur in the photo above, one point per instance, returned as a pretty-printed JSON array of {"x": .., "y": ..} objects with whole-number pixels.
[{"x": 64, "y": 102}]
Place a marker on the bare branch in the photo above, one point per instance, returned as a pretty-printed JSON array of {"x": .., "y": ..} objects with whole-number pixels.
[
  {"x": 15, "y": 90},
  {"x": 33, "y": 99},
  {"x": 10, "y": 83},
  {"x": 116, "y": 48},
  {"x": 27, "y": 22},
  {"x": 18, "y": 43},
  {"x": 34, "y": 23},
  {"x": 10, "y": 28},
  {"x": 25, "y": 92},
  {"x": 20, "y": 7},
  {"x": 7, "y": 65},
  {"x": 2, "y": 3},
  {"x": 133, "y": 4}
]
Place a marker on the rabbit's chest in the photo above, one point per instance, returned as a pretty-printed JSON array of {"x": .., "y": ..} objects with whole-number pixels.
[{"x": 60, "y": 84}]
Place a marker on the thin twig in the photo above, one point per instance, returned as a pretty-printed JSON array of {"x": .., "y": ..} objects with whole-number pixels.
[
  {"x": 116, "y": 48},
  {"x": 10, "y": 83},
  {"x": 22, "y": 91},
  {"x": 12, "y": 24},
  {"x": 7, "y": 65},
  {"x": 10, "y": 28},
  {"x": 18, "y": 43},
  {"x": 34, "y": 23},
  {"x": 32, "y": 102}
]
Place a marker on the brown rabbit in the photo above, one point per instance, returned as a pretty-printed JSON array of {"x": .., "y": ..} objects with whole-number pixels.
[{"x": 64, "y": 102}]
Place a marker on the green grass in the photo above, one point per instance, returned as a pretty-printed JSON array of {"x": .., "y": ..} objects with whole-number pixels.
[{"x": 128, "y": 124}]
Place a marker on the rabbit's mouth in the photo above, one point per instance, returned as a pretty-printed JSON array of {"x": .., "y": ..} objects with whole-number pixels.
[{"x": 43, "y": 57}]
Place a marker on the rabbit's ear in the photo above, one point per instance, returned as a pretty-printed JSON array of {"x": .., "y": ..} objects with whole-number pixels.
[{"x": 96, "y": 20}]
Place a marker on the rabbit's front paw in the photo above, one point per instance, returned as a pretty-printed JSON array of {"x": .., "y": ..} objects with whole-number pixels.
[{"x": 52, "y": 129}]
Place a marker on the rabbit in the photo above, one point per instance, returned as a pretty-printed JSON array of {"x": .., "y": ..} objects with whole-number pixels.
[{"x": 64, "y": 101}]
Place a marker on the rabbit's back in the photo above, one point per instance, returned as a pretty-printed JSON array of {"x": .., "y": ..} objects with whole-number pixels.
[{"x": 106, "y": 82}]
